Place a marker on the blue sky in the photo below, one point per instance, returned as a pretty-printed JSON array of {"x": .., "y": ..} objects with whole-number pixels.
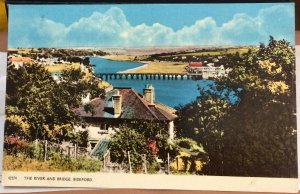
[{"x": 148, "y": 25}]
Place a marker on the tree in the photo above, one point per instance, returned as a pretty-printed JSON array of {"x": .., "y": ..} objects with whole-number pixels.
[
  {"x": 34, "y": 96},
  {"x": 142, "y": 137},
  {"x": 81, "y": 138},
  {"x": 256, "y": 134},
  {"x": 86, "y": 61},
  {"x": 156, "y": 133},
  {"x": 202, "y": 120},
  {"x": 45, "y": 105},
  {"x": 128, "y": 140},
  {"x": 261, "y": 129},
  {"x": 74, "y": 86},
  {"x": 16, "y": 124}
]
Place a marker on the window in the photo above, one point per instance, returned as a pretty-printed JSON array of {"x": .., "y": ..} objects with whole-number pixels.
[
  {"x": 103, "y": 127},
  {"x": 93, "y": 145}
]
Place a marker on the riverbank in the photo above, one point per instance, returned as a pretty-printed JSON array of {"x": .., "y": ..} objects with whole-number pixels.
[
  {"x": 134, "y": 70},
  {"x": 150, "y": 66},
  {"x": 121, "y": 57}
]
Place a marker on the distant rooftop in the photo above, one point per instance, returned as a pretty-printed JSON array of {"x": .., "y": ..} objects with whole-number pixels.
[
  {"x": 195, "y": 64},
  {"x": 21, "y": 59}
]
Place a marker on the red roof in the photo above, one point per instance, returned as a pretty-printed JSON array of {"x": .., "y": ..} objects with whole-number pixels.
[
  {"x": 195, "y": 64},
  {"x": 21, "y": 59},
  {"x": 134, "y": 106}
]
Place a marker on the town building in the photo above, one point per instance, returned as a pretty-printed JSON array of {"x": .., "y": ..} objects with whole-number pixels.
[
  {"x": 48, "y": 61},
  {"x": 207, "y": 70},
  {"x": 103, "y": 117},
  {"x": 195, "y": 67}
]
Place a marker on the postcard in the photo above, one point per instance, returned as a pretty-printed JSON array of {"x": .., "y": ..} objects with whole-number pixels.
[{"x": 155, "y": 96}]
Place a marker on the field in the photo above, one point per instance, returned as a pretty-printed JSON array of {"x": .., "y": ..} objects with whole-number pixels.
[
  {"x": 163, "y": 67},
  {"x": 151, "y": 67},
  {"x": 214, "y": 53},
  {"x": 23, "y": 50},
  {"x": 126, "y": 57},
  {"x": 61, "y": 67},
  {"x": 223, "y": 52},
  {"x": 164, "y": 62}
]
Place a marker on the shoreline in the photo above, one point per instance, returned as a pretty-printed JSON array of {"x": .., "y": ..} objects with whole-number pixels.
[
  {"x": 103, "y": 57},
  {"x": 119, "y": 57},
  {"x": 149, "y": 66},
  {"x": 126, "y": 58},
  {"x": 133, "y": 70}
]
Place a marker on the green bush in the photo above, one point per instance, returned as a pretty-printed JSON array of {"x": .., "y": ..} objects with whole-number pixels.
[
  {"x": 71, "y": 164},
  {"x": 56, "y": 163},
  {"x": 189, "y": 144},
  {"x": 153, "y": 166},
  {"x": 128, "y": 140},
  {"x": 36, "y": 150},
  {"x": 88, "y": 165}
]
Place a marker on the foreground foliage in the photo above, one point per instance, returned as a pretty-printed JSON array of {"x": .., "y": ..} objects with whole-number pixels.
[
  {"x": 57, "y": 163},
  {"x": 38, "y": 107},
  {"x": 145, "y": 142},
  {"x": 255, "y": 135}
]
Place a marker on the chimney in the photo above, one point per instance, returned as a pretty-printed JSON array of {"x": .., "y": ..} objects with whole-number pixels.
[
  {"x": 117, "y": 103},
  {"x": 149, "y": 94}
]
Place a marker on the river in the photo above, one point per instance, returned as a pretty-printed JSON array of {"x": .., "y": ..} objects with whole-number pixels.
[{"x": 169, "y": 92}]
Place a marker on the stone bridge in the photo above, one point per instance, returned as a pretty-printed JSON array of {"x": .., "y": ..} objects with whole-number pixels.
[{"x": 150, "y": 76}]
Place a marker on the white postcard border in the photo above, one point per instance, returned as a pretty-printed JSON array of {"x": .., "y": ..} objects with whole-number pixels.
[{"x": 148, "y": 181}]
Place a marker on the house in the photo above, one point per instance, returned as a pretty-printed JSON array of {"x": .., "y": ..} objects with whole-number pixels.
[
  {"x": 210, "y": 64},
  {"x": 195, "y": 67},
  {"x": 49, "y": 61},
  {"x": 103, "y": 117},
  {"x": 208, "y": 70},
  {"x": 56, "y": 76},
  {"x": 19, "y": 61}
]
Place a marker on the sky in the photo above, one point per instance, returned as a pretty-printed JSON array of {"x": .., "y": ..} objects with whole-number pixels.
[{"x": 149, "y": 25}]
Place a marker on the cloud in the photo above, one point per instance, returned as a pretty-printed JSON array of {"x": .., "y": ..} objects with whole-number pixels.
[{"x": 112, "y": 29}]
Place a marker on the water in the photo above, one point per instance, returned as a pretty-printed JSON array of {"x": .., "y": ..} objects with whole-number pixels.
[
  {"x": 169, "y": 92},
  {"x": 111, "y": 66}
]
